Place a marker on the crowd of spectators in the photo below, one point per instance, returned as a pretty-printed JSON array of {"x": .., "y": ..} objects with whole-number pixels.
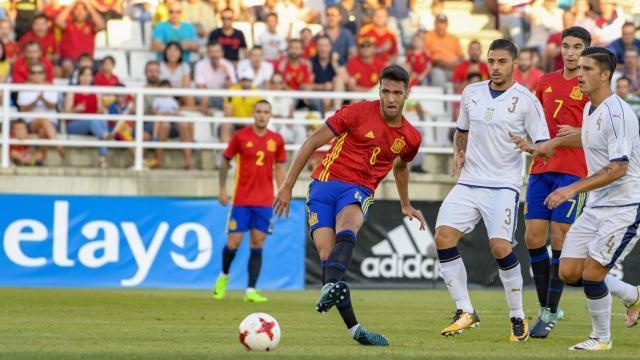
[{"x": 341, "y": 46}]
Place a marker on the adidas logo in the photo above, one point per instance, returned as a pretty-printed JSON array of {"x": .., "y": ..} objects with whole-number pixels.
[
  {"x": 370, "y": 135},
  {"x": 407, "y": 252},
  {"x": 548, "y": 89}
]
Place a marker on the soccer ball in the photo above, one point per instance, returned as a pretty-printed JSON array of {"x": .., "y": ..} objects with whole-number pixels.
[{"x": 259, "y": 332}]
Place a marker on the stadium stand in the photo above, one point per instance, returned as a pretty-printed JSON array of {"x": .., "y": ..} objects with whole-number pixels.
[{"x": 128, "y": 41}]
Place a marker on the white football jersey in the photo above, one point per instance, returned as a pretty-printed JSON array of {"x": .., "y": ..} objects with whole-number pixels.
[
  {"x": 611, "y": 133},
  {"x": 491, "y": 159}
]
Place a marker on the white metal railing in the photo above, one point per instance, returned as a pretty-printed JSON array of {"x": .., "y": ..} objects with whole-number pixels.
[{"x": 139, "y": 117}]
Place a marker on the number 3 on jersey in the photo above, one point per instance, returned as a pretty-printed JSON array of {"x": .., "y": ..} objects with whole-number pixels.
[
  {"x": 260, "y": 159},
  {"x": 374, "y": 155}
]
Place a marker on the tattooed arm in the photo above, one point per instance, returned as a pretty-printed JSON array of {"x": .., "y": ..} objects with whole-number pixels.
[
  {"x": 605, "y": 176},
  {"x": 459, "y": 149}
]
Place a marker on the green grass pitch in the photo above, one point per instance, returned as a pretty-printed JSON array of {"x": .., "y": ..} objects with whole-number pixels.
[{"x": 89, "y": 323}]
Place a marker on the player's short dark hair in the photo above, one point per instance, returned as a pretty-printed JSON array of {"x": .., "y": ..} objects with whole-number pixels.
[
  {"x": 263, "y": 101},
  {"x": 395, "y": 73},
  {"x": 604, "y": 57},
  {"x": 504, "y": 44},
  {"x": 578, "y": 32}
]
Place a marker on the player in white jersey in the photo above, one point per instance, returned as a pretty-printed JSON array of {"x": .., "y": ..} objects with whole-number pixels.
[
  {"x": 489, "y": 184},
  {"x": 607, "y": 229}
]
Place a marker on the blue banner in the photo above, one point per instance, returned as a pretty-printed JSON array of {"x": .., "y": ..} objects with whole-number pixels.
[{"x": 92, "y": 241}]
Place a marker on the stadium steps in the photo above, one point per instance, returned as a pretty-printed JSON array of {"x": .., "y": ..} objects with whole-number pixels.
[{"x": 121, "y": 158}]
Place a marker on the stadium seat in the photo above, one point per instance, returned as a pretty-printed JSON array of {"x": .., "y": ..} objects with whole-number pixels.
[
  {"x": 101, "y": 40},
  {"x": 435, "y": 110},
  {"x": 122, "y": 67},
  {"x": 202, "y": 131},
  {"x": 124, "y": 34},
  {"x": 298, "y": 25},
  {"x": 137, "y": 62},
  {"x": 246, "y": 29},
  {"x": 146, "y": 35},
  {"x": 260, "y": 27}
]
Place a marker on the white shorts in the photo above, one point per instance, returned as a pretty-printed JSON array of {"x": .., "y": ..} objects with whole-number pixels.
[
  {"x": 605, "y": 234},
  {"x": 466, "y": 205}
]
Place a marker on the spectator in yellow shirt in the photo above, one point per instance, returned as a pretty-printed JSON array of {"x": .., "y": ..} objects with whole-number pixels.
[{"x": 238, "y": 106}]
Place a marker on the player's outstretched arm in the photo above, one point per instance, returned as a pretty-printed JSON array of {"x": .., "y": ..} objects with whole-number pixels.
[
  {"x": 319, "y": 138},
  {"x": 401, "y": 174},
  {"x": 460, "y": 139},
  {"x": 610, "y": 173},
  {"x": 224, "y": 170}
]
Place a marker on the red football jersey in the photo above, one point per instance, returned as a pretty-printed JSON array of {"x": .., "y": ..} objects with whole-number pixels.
[
  {"x": 101, "y": 80},
  {"x": 77, "y": 39},
  {"x": 380, "y": 39},
  {"x": 295, "y": 75},
  {"x": 418, "y": 63},
  {"x": 255, "y": 159},
  {"x": 563, "y": 104},
  {"x": 10, "y": 49},
  {"x": 48, "y": 43},
  {"x": 366, "y": 75},
  {"x": 20, "y": 70},
  {"x": 366, "y": 146}
]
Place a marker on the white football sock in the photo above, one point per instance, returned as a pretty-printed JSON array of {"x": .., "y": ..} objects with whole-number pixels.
[
  {"x": 455, "y": 277},
  {"x": 600, "y": 310},
  {"x": 512, "y": 283},
  {"x": 620, "y": 289},
  {"x": 352, "y": 330}
]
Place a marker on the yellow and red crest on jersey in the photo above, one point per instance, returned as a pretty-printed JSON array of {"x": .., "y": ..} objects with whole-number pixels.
[
  {"x": 271, "y": 145},
  {"x": 576, "y": 94},
  {"x": 397, "y": 146},
  {"x": 313, "y": 219}
]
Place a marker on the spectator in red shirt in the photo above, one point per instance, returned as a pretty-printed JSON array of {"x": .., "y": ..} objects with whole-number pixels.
[
  {"x": 525, "y": 73},
  {"x": 52, "y": 10},
  {"x": 105, "y": 76},
  {"x": 386, "y": 45},
  {"x": 309, "y": 44},
  {"x": 32, "y": 55},
  {"x": 296, "y": 72},
  {"x": 418, "y": 61},
  {"x": 40, "y": 33},
  {"x": 364, "y": 68},
  {"x": 473, "y": 65},
  {"x": 6, "y": 36},
  {"x": 80, "y": 22},
  {"x": 87, "y": 103}
]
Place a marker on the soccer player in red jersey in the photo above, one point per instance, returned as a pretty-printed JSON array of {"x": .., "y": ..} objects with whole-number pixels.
[
  {"x": 259, "y": 154},
  {"x": 371, "y": 138},
  {"x": 563, "y": 104}
]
